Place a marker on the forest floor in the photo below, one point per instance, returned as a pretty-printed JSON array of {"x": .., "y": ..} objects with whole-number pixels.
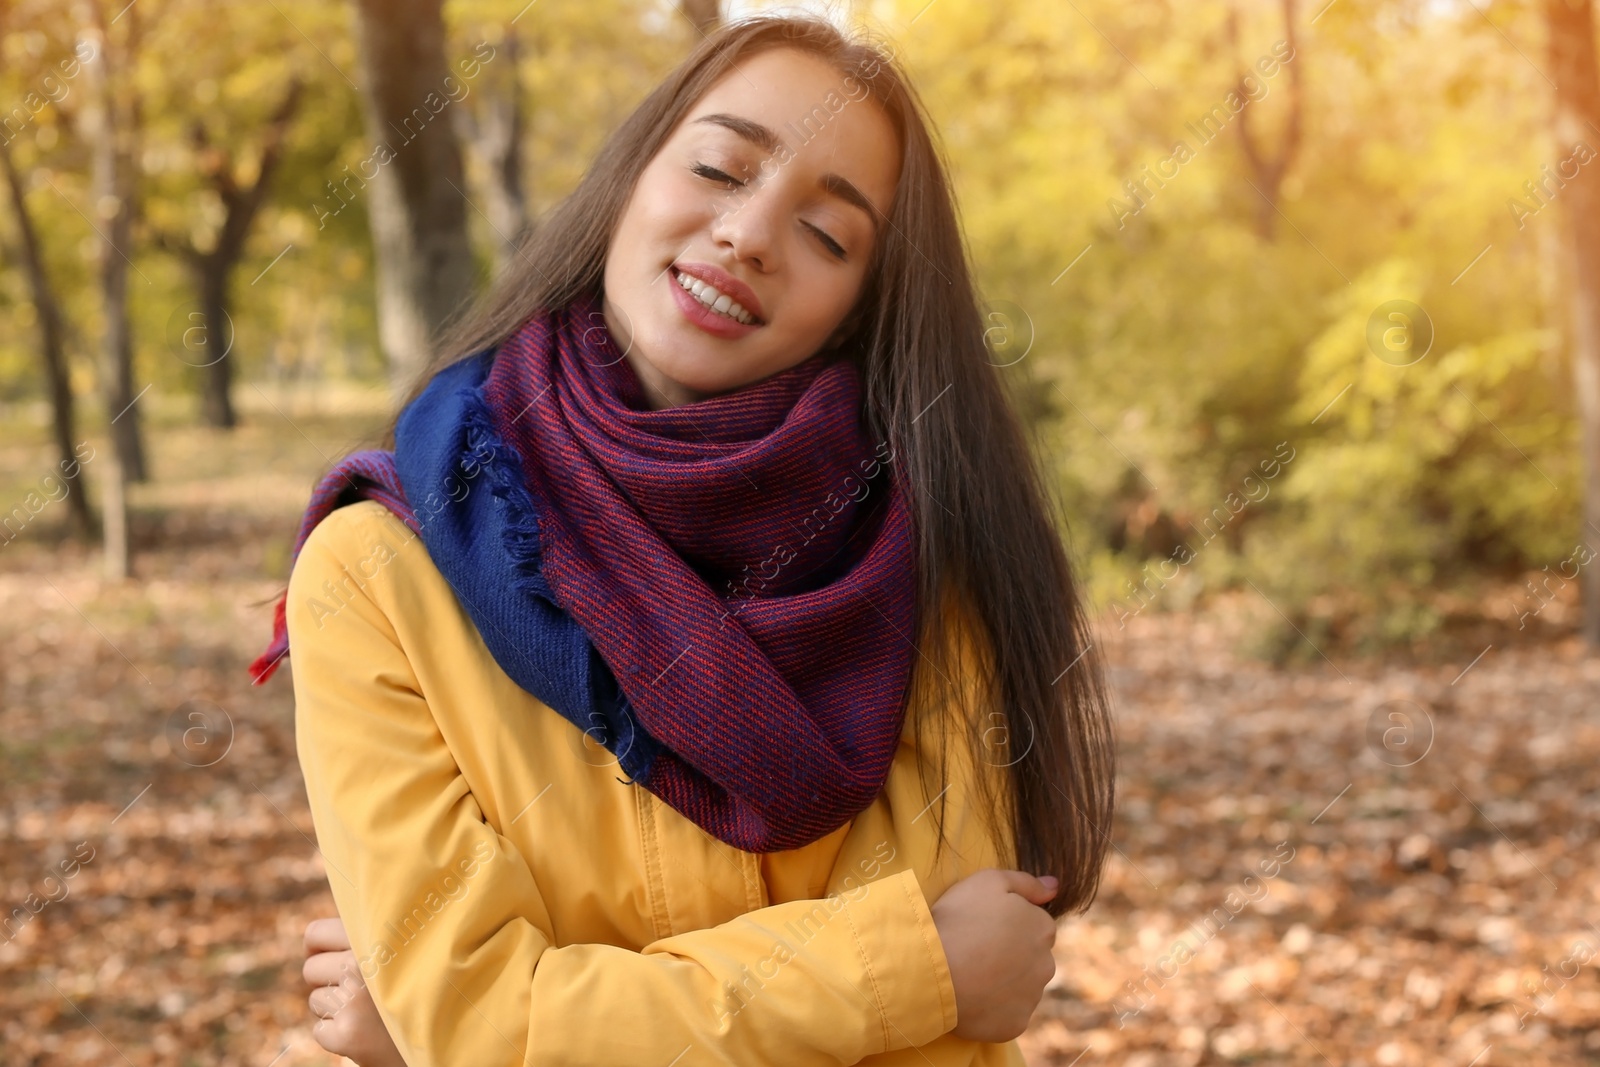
[{"x": 1374, "y": 861}]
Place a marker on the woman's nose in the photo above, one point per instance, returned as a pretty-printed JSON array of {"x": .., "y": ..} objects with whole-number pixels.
[{"x": 750, "y": 226}]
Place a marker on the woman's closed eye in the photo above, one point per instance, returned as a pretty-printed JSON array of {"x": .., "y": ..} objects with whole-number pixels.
[
  {"x": 834, "y": 248},
  {"x": 713, "y": 174},
  {"x": 707, "y": 171}
]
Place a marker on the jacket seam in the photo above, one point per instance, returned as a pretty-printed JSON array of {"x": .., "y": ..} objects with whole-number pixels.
[
  {"x": 945, "y": 1011},
  {"x": 872, "y": 978},
  {"x": 752, "y": 880},
  {"x": 655, "y": 888}
]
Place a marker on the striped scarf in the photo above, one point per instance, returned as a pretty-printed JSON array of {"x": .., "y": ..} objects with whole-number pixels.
[{"x": 721, "y": 594}]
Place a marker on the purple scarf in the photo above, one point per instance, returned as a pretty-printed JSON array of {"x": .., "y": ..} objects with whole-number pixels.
[{"x": 723, "y": 593}]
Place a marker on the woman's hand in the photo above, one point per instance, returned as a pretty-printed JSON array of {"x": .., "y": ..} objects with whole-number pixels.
[
  {"x": 349, "y": 1024},
  {"x": 997, "y": 938}
]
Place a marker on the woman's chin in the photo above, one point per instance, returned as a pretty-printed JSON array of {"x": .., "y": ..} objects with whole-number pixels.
[
  {"x": 705, "y": 390},
  {"x": 699, "y": 382}
]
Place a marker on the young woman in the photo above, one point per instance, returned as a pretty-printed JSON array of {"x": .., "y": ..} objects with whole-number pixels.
[{"x": 700, "y": 678}]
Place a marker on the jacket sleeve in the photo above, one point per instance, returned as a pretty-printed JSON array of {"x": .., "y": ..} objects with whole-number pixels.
[{"x": 454, "y": 940}]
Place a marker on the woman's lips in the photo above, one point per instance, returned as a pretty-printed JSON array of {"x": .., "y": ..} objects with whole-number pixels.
[
  {"x": 725, "y": 283},
  {"x": 712, "y": 322}
]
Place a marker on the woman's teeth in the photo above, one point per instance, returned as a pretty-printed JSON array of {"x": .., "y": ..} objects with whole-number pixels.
[{"x": 714, "y": 299}]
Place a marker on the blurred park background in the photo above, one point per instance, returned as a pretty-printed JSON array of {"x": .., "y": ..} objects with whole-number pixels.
[{"x": 1301, "y": 299}]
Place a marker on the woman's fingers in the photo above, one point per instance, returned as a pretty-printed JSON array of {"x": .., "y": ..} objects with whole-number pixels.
[
  {"x": 332, "y": 968},
  {"x": 335, "y": 1035},
  {"x": 354, "y": 1030},
  {"x": 342, "y": 1035},
  {"x": 997, "y": 940},
  {"x": 326, "y": 935},
  {"x": 348, "y": 1023},
  {"x": 1034, "y": 889},
  {"x": 329, "y": 1000}
]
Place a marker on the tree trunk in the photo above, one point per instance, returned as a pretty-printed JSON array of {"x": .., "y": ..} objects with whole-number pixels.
[
  {"x": 216, "y": 397},
  {"x": 118, "y": 549},
  {"x": 111, "y": 137},
  {"x": 494, "y": 129},
  {"x": 415, "y": 201},
  {"x": 212, "y": 271},
  {"x": 113, "y": 144},
  {"x": 1570, "y": 24},
  {"x": 1269, "y": 171},
  {"x": 52, "y": 350}
]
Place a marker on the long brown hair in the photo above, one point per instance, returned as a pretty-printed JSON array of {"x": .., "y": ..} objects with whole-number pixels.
[{"x": 988, "y": 550}]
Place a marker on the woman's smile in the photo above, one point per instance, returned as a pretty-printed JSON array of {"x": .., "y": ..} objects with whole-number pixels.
[
  {"x": 710, "y": 285},
  {"x": 712, "y": 308}
]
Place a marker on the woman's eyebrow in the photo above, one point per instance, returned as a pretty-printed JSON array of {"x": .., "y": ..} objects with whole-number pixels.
[{"x": 767, "y": 141}]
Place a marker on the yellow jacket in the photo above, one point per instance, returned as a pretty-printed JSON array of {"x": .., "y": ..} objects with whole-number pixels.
[{"x": 511, "y": 900}]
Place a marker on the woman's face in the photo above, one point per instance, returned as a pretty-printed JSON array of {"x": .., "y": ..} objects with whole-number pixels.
[{"x": 770, "y": 190}]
